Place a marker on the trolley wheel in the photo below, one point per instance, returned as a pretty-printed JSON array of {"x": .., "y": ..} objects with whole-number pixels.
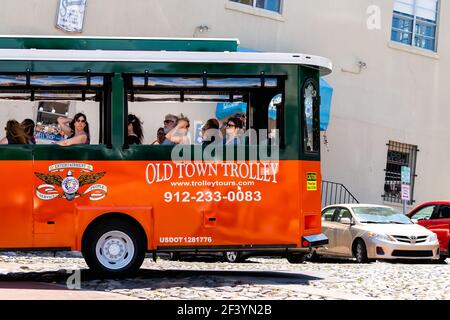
[
  {"x": 296, "y": 258},
  {"x": 174, "y": 256},
  {"x": 114, "y": 248},
  {"x": 312, "y": 256},
  {"x": 233, "y": 256}
]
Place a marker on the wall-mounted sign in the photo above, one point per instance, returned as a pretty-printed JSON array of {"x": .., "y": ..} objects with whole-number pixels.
[
  {"x": 406, "y": 175},
  {"x": 70, "y": 15},
  {"x": 406, "y": 192}
]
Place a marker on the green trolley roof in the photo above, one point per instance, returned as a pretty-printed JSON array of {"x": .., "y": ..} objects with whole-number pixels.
[{"x": 114, "y": 43}]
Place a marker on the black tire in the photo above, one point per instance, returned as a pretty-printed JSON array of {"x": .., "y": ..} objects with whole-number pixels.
[
  {"x": 115, "y": 234},
  {"x": 312, "y": 256},
  {"x": 442, "y": 258},
  {"x": 360, "y": 252},
  {"x": 233, "y": 256},
  {"x": 174, "y": 256},
  {"x": 296, "y": 258}
]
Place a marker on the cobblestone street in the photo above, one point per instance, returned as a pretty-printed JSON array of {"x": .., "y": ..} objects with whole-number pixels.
[{"x": 257, "y": 278}]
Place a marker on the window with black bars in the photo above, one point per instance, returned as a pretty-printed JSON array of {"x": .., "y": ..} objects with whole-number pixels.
[{"x": 399, "y": 155}]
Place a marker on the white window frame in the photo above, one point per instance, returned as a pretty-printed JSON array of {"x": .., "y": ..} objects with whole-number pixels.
[
  {"x": 414, "y": 29},
  {"x": 253, "y": 5}
]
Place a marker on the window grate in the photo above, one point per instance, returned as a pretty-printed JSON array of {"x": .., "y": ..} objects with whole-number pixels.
[{"x": 399, "y": 155}]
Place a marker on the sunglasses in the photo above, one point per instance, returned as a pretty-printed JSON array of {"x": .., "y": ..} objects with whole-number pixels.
[
  {"x": 168, "y": 121},
  {"x": 230, "y": 125},
  {"x": 80, "y": 120}
]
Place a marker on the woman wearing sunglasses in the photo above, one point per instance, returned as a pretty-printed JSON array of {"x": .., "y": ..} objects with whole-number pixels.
[
  {"x": 233, "y": 127},
  {"x": 77, "y": 130}
]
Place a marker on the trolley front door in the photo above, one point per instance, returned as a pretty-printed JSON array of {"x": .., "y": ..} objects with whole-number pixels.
[{"x": 16, "y": 201}]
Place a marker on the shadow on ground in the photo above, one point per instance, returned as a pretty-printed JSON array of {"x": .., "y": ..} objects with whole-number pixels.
[{"x": 164, "y": 279}]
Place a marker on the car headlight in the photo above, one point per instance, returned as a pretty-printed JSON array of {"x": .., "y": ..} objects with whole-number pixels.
[
  {"x": 379, "y": 236},
  {"x": 433, "y": 237}
]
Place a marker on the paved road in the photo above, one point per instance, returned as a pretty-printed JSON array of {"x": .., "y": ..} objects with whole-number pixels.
[{"x": 42, "y": 275}]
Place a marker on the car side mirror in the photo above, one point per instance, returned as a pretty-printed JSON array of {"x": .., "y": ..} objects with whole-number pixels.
[{"x": 346, "y": 221}]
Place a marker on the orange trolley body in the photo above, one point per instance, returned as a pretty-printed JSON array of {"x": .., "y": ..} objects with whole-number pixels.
[{"x": 135, "y": 199}]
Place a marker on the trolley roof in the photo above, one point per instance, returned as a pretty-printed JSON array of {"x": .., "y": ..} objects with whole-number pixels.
[{"x": 164, "y": 50}]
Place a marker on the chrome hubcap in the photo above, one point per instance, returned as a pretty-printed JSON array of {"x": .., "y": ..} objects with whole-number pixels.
[
  {"x": 115, "y": 250},
  {"x": 231, "y": 255}
]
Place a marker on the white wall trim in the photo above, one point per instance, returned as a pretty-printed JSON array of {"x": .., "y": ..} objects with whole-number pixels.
[
  {"x": 413, "y": 50},
  {"x": 244, "y": 8}
]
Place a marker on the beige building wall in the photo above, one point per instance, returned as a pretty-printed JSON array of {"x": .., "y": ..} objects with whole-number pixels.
[{"x": 403, "y": 94}]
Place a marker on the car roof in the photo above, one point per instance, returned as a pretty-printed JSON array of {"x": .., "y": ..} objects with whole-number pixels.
[
  {"x": 435, "y": 202},
  {"x": 356, "y": 205}
]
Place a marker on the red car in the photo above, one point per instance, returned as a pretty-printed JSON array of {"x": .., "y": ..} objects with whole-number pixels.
[{"x": 435, "y": 216}]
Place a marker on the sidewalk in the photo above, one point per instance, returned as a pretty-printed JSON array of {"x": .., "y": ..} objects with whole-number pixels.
[{"x": 23, "y": 290}]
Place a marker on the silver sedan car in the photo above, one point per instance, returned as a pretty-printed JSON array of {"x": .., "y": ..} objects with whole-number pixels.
[{"x": 369, "y": 232}]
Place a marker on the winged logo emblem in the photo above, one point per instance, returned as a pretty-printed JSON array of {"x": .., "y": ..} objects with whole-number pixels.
[{"x": 69, "y": 184}]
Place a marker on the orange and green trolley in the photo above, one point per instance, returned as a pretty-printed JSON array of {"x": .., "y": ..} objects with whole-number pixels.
[{"x": 116, "y": 202}]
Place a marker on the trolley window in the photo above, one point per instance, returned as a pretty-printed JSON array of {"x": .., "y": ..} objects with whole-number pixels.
[
  {"x": 43, "y": 98},
  {"x": 311, "y": 117},
  {"x": 245, "y": 101}
]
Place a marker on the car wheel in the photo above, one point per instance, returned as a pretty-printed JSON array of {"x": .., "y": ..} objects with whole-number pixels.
[
  {"x": 361, "y": 252},
  {"x": 232, "y": 256},
  {"x": 442, "y": 259},
  {"x": 114, "y": 248},
  {"x": 296, "y": 258},
  {"x": 174, "y": 256}
]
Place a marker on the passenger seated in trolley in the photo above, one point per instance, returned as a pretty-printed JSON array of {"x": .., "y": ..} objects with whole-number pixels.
[
  {"x": 15, "y": 134},
  {"x": 180, "y": 134},
  {"x": 28, "y": 125},
  {"x": 232, "y": 131},
  {"x": 77, "y": 130},
  {"x": 170, "y": 122},
  {"x": 135, "y": 134},
  {"x": 209, "y": 131},
  {"x": 160, "y": 136}
]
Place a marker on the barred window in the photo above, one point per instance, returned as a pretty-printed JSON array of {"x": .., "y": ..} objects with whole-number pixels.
[
  {"x": 415, "y": 23},
  {"x": 399, "y": 155}
]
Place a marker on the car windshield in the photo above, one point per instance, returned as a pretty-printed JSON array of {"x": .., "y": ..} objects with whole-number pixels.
[{"x": 380, "y": 215}]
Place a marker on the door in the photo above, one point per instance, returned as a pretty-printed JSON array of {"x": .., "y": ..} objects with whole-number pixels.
[
  {"x": 16, "y": 201},
  {"x": 423, "y": 215},
  {"x": 343, "y": 232},
  {"x": 440, "y": 224},
  {"x": 64, "y": 178},
  {"x": 328, "y": 230},
  {"x": 441, "y": 217}
]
